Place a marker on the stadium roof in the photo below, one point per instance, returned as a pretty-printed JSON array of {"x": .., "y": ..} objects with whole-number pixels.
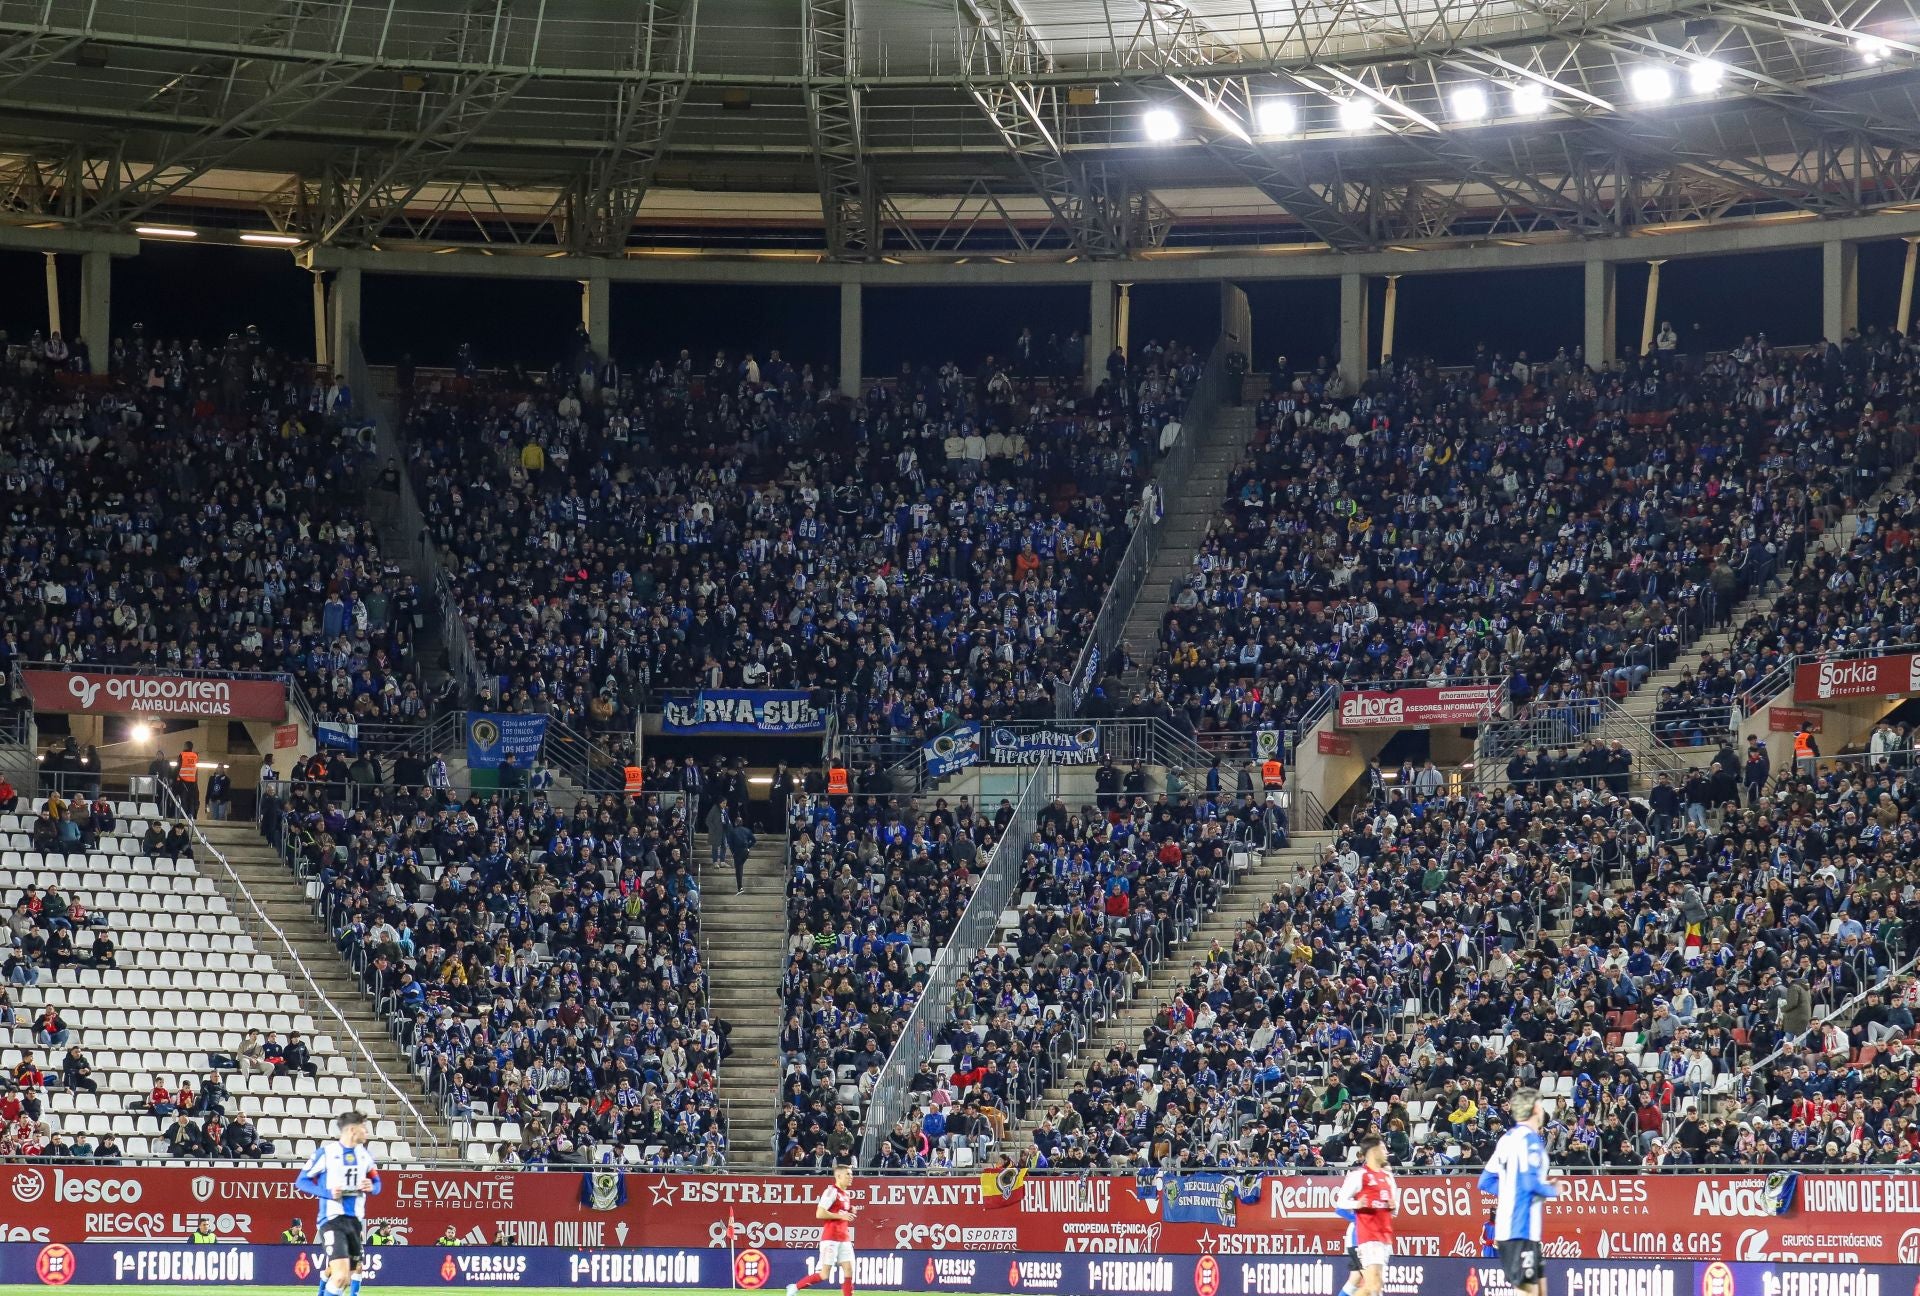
[{"x": 939, "y": 129}]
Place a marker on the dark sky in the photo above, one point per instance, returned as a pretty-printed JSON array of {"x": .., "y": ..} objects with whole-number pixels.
[{"x": 192, "y": 291}]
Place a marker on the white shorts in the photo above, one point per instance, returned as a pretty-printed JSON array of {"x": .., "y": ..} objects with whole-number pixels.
[
  {"x": 1374, "y": 1253},
  {"x": 835, "y": 1253}
]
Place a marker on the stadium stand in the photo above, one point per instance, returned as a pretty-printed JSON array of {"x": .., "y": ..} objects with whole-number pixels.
[
  {"x": 1442, "y": 525},
  {"x": 876, "y": 887},
  {"x": 1451, "y": 945},
  {"x": 545, "y": 967},
  {"x": 742, "y": 528},
  {"x": 225, "y": 526},
  {"x": 157, "y": 984}
]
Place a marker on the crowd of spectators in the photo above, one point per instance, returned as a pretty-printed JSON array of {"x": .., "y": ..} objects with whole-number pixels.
[
  {"x": 1564, "y": 531},
  {"x": 546, "y": 967},
  {"x": 199, "y": 506},
  {"x": 932, "y": 550},
  {"x": 1105, "y": 892},
  {"x": 876, "y": 886},
  {"x": 1686, "y": 993}
]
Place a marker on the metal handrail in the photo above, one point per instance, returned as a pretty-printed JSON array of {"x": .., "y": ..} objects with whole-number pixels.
[
  {"x": 1169, "y": 480},
  {"x": 258, "y": 923},
  {"x": 1753, "y": 698},
  {"x": 977, "y": 922}
]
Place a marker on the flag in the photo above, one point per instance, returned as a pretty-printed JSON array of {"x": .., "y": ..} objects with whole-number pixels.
[
  {"x": 1147, "y": 1188},
  {"x": 1695, "y": 941},
  {"x": 332, "y": 733},
  {"x": 732, "y": 1228},
  {"x": 1001, "y": 1187},
  {"x": 603, "y": 1190},
  {"x": 1249, "y": 1188}
]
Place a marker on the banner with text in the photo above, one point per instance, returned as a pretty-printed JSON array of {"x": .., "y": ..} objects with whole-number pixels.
[
  {"x": 1826, "y": 681},
  {"x": 1380, "y": 709},
  {"x": 492, "y": 736},
  {"x": 953, "y": 750},
  {"x": 176, "y": 697},
  {"x": 742, "y": 711},
  {"x": 26, "y": 1267},
  {"x": 1032, "y": 746},
  {"x": 1860, "y": 1219}
]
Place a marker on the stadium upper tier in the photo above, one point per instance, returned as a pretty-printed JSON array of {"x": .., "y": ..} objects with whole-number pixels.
[{"x": 938, "y": 547}]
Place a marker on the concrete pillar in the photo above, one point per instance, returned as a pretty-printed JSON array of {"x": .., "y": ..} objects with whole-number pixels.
[
  {"x": 1123, "y": 327},
  {"x": 344, "y": 301},
  {"x": 1906, "y": 287},
  {"x": 1387, "y": 317},
  {"x": 96, "y": 306},
  {"x": 1652, "y": 314},
  {"x": 53, "y": 293},
  {"x": 1839, "y": 289},
  {"x": 596, "y": 316},
  {"x": 1099, "y": 331},
  {"x": 852, "y": 333},
  {"x": 1236, "y": 319},
  {"x": 1602, "y": 319},
  {"x": 321, "y": 337},
  {"x": 1353, "y": 329}
]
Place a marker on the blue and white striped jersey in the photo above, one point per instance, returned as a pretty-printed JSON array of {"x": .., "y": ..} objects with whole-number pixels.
[
  {"x": 336, "y": 1170},
  {"x": 1518, "y": 1173}
]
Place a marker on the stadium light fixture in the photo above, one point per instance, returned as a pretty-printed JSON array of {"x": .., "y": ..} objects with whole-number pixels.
[
  {"x": 1650, "y": 84},
  {"x": 1873, "y": 49},
  {"x": 1705, "y": 75},
  {"x": 1468, "y": 102},
  {"x": 141, "y": 731},
  {"x": 1528, "y": 99},
  {"x": 165, "y": 231},
  {"x": 1276, "y": 116},
  {"x": 1356, "y": 114},
  {"x": 1162, "y": 125},
  {"x": 272, "y": 240}
]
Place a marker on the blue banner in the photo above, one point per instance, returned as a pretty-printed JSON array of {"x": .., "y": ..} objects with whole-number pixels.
[
  {"x": 1204, "y": 1198},
  {"x": 34, "y": 1266},
  {"x": 334, "y": 734},
  {"x": 742, "y": 711},
  {"x": 492, "y": 736},
  {"x": 953, "y": 750}
]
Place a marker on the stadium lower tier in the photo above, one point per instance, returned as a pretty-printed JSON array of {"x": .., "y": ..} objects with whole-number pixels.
[{"x": 1777, "y": 1215}]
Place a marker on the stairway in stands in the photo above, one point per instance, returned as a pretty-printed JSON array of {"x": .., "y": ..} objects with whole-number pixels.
[
  {"x": 1241, "y": 904},
  {"x": 744, "y": 945},
  {"x": 1188, "y": 517},
  {"x": 1837, "y": 539},
  {"x": 282, "y": 896}
]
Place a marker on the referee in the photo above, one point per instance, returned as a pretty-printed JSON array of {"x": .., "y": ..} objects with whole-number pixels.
[{"x": 1518, "y": 1173}]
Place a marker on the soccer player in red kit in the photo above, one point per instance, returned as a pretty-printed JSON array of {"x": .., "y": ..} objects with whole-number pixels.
[
  {"x": 835, "y": 1211},
  {"x": 1372, "y": 1195}
]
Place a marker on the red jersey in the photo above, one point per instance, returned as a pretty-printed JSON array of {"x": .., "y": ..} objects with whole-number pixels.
[
  {"x": 1372, "y": 1195},
  {"x": 836, "y": 1230}
]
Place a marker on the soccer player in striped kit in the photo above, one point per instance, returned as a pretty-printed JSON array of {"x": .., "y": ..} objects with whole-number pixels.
[{"x": 342, "y": 1175}]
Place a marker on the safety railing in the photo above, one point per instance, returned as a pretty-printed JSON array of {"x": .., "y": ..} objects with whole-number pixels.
[
  {"x": 253, "y": 918},
  {"x": 997, "y": 884},
  {"x": 1148, "y": 740},
  {"x": 1169, "y": 481},
  {"x": 410, "y": 532},
  {"x": 1699, "y": 724},
  {"x": 1769, "y": 686}
]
